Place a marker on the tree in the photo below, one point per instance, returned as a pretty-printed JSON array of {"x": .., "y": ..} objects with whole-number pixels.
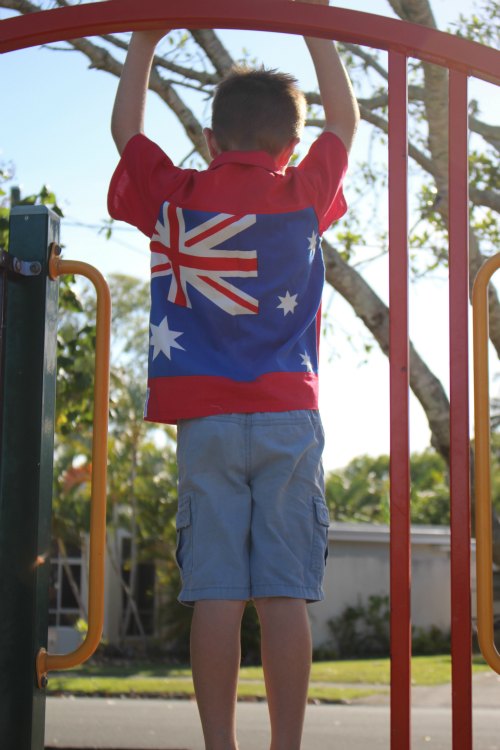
[
  {"x": 360, "y": 491},
  {"x": 195, "y": 61}
]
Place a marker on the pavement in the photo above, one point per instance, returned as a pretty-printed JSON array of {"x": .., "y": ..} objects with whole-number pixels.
[{"x": 141, "y": 724}]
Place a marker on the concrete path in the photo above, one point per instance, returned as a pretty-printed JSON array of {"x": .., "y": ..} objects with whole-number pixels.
[{"x": 128, "y": 724}]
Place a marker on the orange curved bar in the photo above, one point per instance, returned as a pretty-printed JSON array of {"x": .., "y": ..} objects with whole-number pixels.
[
  {"x": 45, "y": 661},
  {"x": 284, "y": 16},
  {"x": 484, "y": 542}
]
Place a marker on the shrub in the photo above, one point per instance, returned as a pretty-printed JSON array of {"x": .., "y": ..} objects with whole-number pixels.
[{"x": 363, "y": 631}]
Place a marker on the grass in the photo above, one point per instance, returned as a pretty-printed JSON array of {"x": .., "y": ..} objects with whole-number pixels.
[
  {"x": 334, "y": 681},
  {"x": 175, "y": 688}
]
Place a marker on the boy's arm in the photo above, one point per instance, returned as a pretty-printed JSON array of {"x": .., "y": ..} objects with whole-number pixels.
[
  {"x": 337, "y": 95},
  {"x": 128, "y": 112}
]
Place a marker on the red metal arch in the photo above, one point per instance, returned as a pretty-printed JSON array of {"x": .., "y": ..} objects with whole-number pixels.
[{"x": 277, "y": 15}]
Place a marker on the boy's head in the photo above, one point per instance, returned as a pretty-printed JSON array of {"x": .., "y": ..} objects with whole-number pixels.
[{"x": 257, "y": 110}]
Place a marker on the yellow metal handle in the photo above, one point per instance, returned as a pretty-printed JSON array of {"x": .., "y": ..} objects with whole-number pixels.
[
  {"x": 44, "y": 660},
  {"x": 484, "y": 537}
]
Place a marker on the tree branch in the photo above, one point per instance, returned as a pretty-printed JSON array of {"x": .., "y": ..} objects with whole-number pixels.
[
  {"x": 414, "y": 11},
  {"x": 101, "y": 59},
  {"x": 382, "y": 124},
  {"x": 379, "y": 101},
  {"x": 490, "y": 133},
  {"x": 206, "y": 79},
  {"x": 214, "y": 49},
  {"x": 488, "y": 198},
  {"x": 370, "y": 60},
  {"x": 23, "y": 6}
]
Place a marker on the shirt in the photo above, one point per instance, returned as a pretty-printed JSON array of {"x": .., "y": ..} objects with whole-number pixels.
[{"x": 236, "y": 275}]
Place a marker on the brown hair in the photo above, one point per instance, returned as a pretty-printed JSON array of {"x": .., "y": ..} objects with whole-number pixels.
[{"x": 257, "y": 110}]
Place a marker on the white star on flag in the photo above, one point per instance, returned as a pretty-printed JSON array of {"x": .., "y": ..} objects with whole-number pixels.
[
  {"x": 313, "y": 239},
  {"x": 163, "y": 339},
  {"x": 288, "y": 303},
  {"x": 306, "y": 361}
]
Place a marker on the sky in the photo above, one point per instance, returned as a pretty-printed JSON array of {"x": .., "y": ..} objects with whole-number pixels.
[{"x": 55, "y": 130}]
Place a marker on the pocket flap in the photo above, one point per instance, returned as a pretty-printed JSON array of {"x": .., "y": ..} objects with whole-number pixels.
[
  {"x": 183, "y": 518},
  {"x": 322, "y": 514}
]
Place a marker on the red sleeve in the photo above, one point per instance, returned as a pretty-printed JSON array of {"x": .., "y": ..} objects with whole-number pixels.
[
  {"x": 323, "y": 170},
  {"x": 142, "y": 181}
]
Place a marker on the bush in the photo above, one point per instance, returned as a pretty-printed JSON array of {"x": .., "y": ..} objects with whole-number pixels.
[
  {"x": 433, "y": 640},
  {"x": 363, "y": 631}
]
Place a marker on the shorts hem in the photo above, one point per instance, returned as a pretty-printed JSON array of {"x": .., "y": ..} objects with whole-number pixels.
[
  {"x": 227, "y": 593},
  {"x": 292, "y": 592},
  {"x": 188, "y": 597}
]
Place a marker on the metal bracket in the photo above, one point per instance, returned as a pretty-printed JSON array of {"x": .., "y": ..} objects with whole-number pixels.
[{"x": 9, "y": 262}]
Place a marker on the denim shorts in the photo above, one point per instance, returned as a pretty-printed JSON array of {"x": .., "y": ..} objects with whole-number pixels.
[{"x": 252, "y": 520}]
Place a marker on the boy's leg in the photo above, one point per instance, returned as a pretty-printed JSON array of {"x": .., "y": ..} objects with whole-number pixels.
[
  {"x": 286, "y": 658},
  {"x": 215, "y": 660}
]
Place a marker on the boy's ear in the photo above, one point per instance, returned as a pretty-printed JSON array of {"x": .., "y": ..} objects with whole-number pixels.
[{"x": 213, "y": 146}]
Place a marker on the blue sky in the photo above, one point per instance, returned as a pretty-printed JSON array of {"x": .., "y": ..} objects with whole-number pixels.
[{"x": 55, "y": 130}]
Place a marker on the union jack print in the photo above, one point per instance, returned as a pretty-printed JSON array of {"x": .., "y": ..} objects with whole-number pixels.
[{"x": 191, "y": 257}]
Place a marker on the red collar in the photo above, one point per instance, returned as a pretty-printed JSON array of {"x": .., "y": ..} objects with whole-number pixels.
[{"x": 249, "y": 158}]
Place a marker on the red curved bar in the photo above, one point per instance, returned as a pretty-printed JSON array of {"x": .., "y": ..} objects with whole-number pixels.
[{"x": 265, "y": 15}]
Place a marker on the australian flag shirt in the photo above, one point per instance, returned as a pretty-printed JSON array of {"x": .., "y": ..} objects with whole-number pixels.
[{"x": 236, "y": 275}]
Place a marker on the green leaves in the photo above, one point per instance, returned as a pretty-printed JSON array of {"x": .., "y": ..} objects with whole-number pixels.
[
  {"x": 483, "y": 26},
  {"x": 360, "y": 491}
]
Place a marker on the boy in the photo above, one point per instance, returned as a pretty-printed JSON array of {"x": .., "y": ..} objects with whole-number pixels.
[{"x": 237, "y": 275}]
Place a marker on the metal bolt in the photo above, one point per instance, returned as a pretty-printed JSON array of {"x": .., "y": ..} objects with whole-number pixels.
[
  {"x": 35, "y": 268},
  {"x": 44, "y": 681}
]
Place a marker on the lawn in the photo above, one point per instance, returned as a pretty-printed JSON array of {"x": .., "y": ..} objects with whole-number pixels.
[{"x": 333, "y": 681}]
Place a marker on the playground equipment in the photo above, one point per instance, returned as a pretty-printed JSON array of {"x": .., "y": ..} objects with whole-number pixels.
[
  {"x": 463, "y": 59},
  {"x": 483, "y": 469}
]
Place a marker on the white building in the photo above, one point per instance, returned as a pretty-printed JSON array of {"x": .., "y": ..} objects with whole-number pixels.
[{"x": 357, "y": 568}]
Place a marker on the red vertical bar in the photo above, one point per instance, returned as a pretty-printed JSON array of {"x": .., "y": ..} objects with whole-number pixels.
[
  {"x": 459, "y": 414},
  {"x": 399, "y": 397}
]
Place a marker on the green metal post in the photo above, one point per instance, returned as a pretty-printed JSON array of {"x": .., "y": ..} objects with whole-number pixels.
[{"x": 26, "y": 465}]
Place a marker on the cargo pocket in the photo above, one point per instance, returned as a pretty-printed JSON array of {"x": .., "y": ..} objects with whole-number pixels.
[
  {"x": 184, "y": 526},
  {"x": 321, "y": 520}
]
